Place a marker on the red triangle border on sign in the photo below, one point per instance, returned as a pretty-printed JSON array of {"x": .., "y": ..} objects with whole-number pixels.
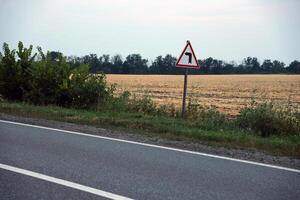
[{"x": 187, "y": 66}]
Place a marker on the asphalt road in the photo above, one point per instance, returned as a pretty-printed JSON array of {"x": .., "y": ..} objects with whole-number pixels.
[{"x": 130, "y": 170}]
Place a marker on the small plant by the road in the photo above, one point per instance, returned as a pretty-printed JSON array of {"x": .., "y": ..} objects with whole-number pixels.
[
  {"x": 266, "y": 120},
  {"x": 205, "y": 117}
]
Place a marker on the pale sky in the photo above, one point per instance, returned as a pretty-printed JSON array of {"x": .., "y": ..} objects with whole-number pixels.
[{"x": 223, "y": 29}]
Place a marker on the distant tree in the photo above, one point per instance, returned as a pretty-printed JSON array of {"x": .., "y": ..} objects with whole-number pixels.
[
  {"x": 294, "y": 67},
  {"x": 278, "y": 67},
  {"x": 217, "y": 66},
  {"x": 105, "y": 63},
  {"x": 93, "y": 62},
  {"x": 135, "y": 64},
  {"x": 211, "y": 65},
  {"x": 55, "y": 55},
  {"x": 206, "y": 65},
  {"x": 117, "y": 63},
  {"x": 169, "y": 63},
  {"x": 229, "y": 68},
  {"x": 157, "y": 65},
  {"x": 251, "y": 65},
  {"x": 74, "y": 61},
  {"x": 267, "y": 66},
  {"x": 164, "y": 65}
]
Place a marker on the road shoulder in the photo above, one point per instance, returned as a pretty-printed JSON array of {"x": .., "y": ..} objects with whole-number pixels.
[{"x": 251, "y": 155}]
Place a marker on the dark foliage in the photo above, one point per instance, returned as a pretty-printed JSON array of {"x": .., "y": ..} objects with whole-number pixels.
[
  {"x": 15, "y": 74},
  {"x": 50, "y": 80},
  {"x": 135, "y": 64},
  {"x": 267, "y": 120}
]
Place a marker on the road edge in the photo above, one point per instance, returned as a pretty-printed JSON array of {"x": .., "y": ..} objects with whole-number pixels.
[{"x": 99, "y": 136}]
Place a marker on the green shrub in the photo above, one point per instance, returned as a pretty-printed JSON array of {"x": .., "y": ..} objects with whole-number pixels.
[
  {"x": 168, "y": 110},
  {"x": 88, "y": 90},
  {"x": 208, "y": 118},
  {"x": 118, "y": 103},
  {"x": 47, "y": 78},
  {"x": 50, "y": 80},
  {"x": 143, "y": 105},
  {"x": 15, "y": 73},
  {"x": 212, "y": 119},
  {"x": 267, "y": 120}
]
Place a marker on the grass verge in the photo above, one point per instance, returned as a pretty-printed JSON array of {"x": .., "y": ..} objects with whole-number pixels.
[{"x": 162, "y": 126}]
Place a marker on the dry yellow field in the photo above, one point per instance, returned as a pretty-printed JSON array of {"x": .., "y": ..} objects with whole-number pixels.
[{"x": 228, "y": 93}]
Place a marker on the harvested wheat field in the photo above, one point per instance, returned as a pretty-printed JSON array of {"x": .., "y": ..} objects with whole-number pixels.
[{"x": 228, "y": 93}]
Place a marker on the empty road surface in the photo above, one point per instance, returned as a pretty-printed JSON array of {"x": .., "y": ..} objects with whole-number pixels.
[{"x": 43, "y": 163}]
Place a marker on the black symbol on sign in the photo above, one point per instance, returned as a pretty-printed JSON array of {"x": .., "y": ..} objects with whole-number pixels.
[{"x": 189, "y": 55}]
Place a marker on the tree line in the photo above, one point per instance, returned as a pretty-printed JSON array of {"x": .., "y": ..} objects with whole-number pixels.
[{"x": 136, "y": 64}]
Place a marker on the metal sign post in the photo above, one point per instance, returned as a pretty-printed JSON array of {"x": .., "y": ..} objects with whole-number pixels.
[
  {"x": 184, "y": 93},
  {"x": 187, "y": 59}
]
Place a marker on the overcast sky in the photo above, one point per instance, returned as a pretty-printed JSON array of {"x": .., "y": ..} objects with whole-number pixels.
[{"x": 223, "y": 29}]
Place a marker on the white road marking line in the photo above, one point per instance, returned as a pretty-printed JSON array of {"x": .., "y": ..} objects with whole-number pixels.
[
  {"x": 155, "y": 146},
  {"x": 64, "y": 182}
]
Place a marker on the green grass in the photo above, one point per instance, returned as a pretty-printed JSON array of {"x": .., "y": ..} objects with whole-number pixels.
[{"x": 165, "y": 127}]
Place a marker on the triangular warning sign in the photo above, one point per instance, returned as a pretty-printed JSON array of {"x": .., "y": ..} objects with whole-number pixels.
[{"x": 188, "y": 59}]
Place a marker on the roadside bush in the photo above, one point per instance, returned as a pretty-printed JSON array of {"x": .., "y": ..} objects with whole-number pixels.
[
  {"x": 50, "y": 80},
  {"x": 143, "y": 105},
  {"x": 206, "y": 117},
  {"x": 88, "y": 90},
  {"x": 267, "y": 120},
  {"x": 168, "y": 110},
  {"x": 212, "y": 119},
  {"x": 118, "y": 103},
  {"x": 15, "y": 74},
  {"x": 47, "y": 78}
]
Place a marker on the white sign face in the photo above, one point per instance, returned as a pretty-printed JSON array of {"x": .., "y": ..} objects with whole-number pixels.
[{"x": 188, "y": 59}]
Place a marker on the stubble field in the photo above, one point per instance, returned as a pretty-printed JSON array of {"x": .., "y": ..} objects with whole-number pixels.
[{"x": 228, "y": 93}]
